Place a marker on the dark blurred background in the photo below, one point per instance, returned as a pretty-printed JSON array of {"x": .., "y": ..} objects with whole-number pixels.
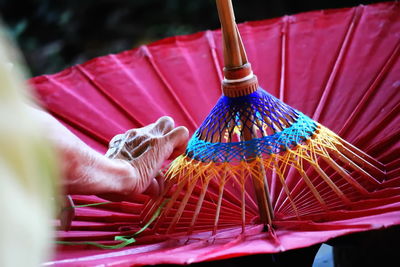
[{"x": 55, "y": 34}]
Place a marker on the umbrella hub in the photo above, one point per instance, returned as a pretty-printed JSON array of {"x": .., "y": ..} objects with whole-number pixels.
[{"x": 239, "y": 81}]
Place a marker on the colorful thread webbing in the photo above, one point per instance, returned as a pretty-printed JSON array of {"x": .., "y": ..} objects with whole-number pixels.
[
  {"x": 253, "y": 147},
  {"x": 259, "y": 109},
  {"x": 280, "y": 126},
  {"x": 205, "y": 151}
]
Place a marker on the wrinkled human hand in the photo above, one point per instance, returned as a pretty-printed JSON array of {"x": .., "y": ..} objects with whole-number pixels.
[
  {"x": 131, "y": 164},
  {"x": 146, "y": 149}
]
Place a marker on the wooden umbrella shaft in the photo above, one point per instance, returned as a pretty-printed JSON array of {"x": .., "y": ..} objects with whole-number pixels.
[
  {"x": 232, "y": 48},
  {"x": 238, "y": 76},
  {"x": 259, "y": 181},
  {"x": 239, "y": 81}
]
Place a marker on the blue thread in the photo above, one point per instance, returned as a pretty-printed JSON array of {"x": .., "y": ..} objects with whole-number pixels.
[
  {"x": 256, "y": 109},
  {"x": 213, "y": 141},
  {"x": 205, "y": 151}
]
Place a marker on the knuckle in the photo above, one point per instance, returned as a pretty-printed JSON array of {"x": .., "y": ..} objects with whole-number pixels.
[
  {"x": 126, "y": 154},
  {"x": 131, "y": 133},
  {"x": 116, "y": 139},
  {"x": 167, "y": 121},
  {"x": 137, "y": 140}
]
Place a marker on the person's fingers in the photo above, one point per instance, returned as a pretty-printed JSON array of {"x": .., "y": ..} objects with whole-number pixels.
[
  {"x": 125, "y": 154},
  {"x": 156, "y": 187},
  {"x": 160, "y": 180},
  {"x": 141, "y": 148},
  {"x": 117, "y": 139},
  {"x": 146, "y": 149},
  {"x": 153, "y": 189},
  {"x": 178, "y": 136},
  {"x": 131, "y": 133},
  {"x": 114, "y": 145},
  {"x": 163, "y": 126},
  {"x": 136, "y": 141}
]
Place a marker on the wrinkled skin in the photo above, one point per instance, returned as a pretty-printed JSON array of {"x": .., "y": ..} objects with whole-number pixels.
[
  {"x": 130, "y": 166},
  {"x": 147, "y": 148}
]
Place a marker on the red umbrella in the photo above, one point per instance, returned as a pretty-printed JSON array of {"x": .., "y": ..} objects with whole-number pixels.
[{"x": 338, "y": 67}]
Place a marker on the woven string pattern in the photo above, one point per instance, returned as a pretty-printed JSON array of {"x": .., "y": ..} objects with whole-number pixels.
[
  {"x": 259, "y": 109},
  {"x": 280, "y": 126},
  {"x": 253, "y": 148},
  {"x": 279, "y": 142}
]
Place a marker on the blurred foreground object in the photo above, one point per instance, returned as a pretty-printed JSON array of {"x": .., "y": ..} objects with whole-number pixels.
[
  {"x": 338, "y": 67},
  {"x": 28, "y": 171}
]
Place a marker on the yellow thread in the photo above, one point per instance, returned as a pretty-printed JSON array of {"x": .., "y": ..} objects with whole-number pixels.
[{"x": 319, "y": 145}]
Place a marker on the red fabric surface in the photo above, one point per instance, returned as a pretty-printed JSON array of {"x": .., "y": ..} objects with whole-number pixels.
[{"x": 340, "y": 67}]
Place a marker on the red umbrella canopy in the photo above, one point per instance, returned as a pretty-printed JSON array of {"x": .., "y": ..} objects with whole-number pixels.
[{"x": 339, "y": 67}]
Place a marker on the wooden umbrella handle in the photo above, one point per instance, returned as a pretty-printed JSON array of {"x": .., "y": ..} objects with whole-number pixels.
[
  {"x": 239, "y": 79},
  {"x": 234, "y": 55}
]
